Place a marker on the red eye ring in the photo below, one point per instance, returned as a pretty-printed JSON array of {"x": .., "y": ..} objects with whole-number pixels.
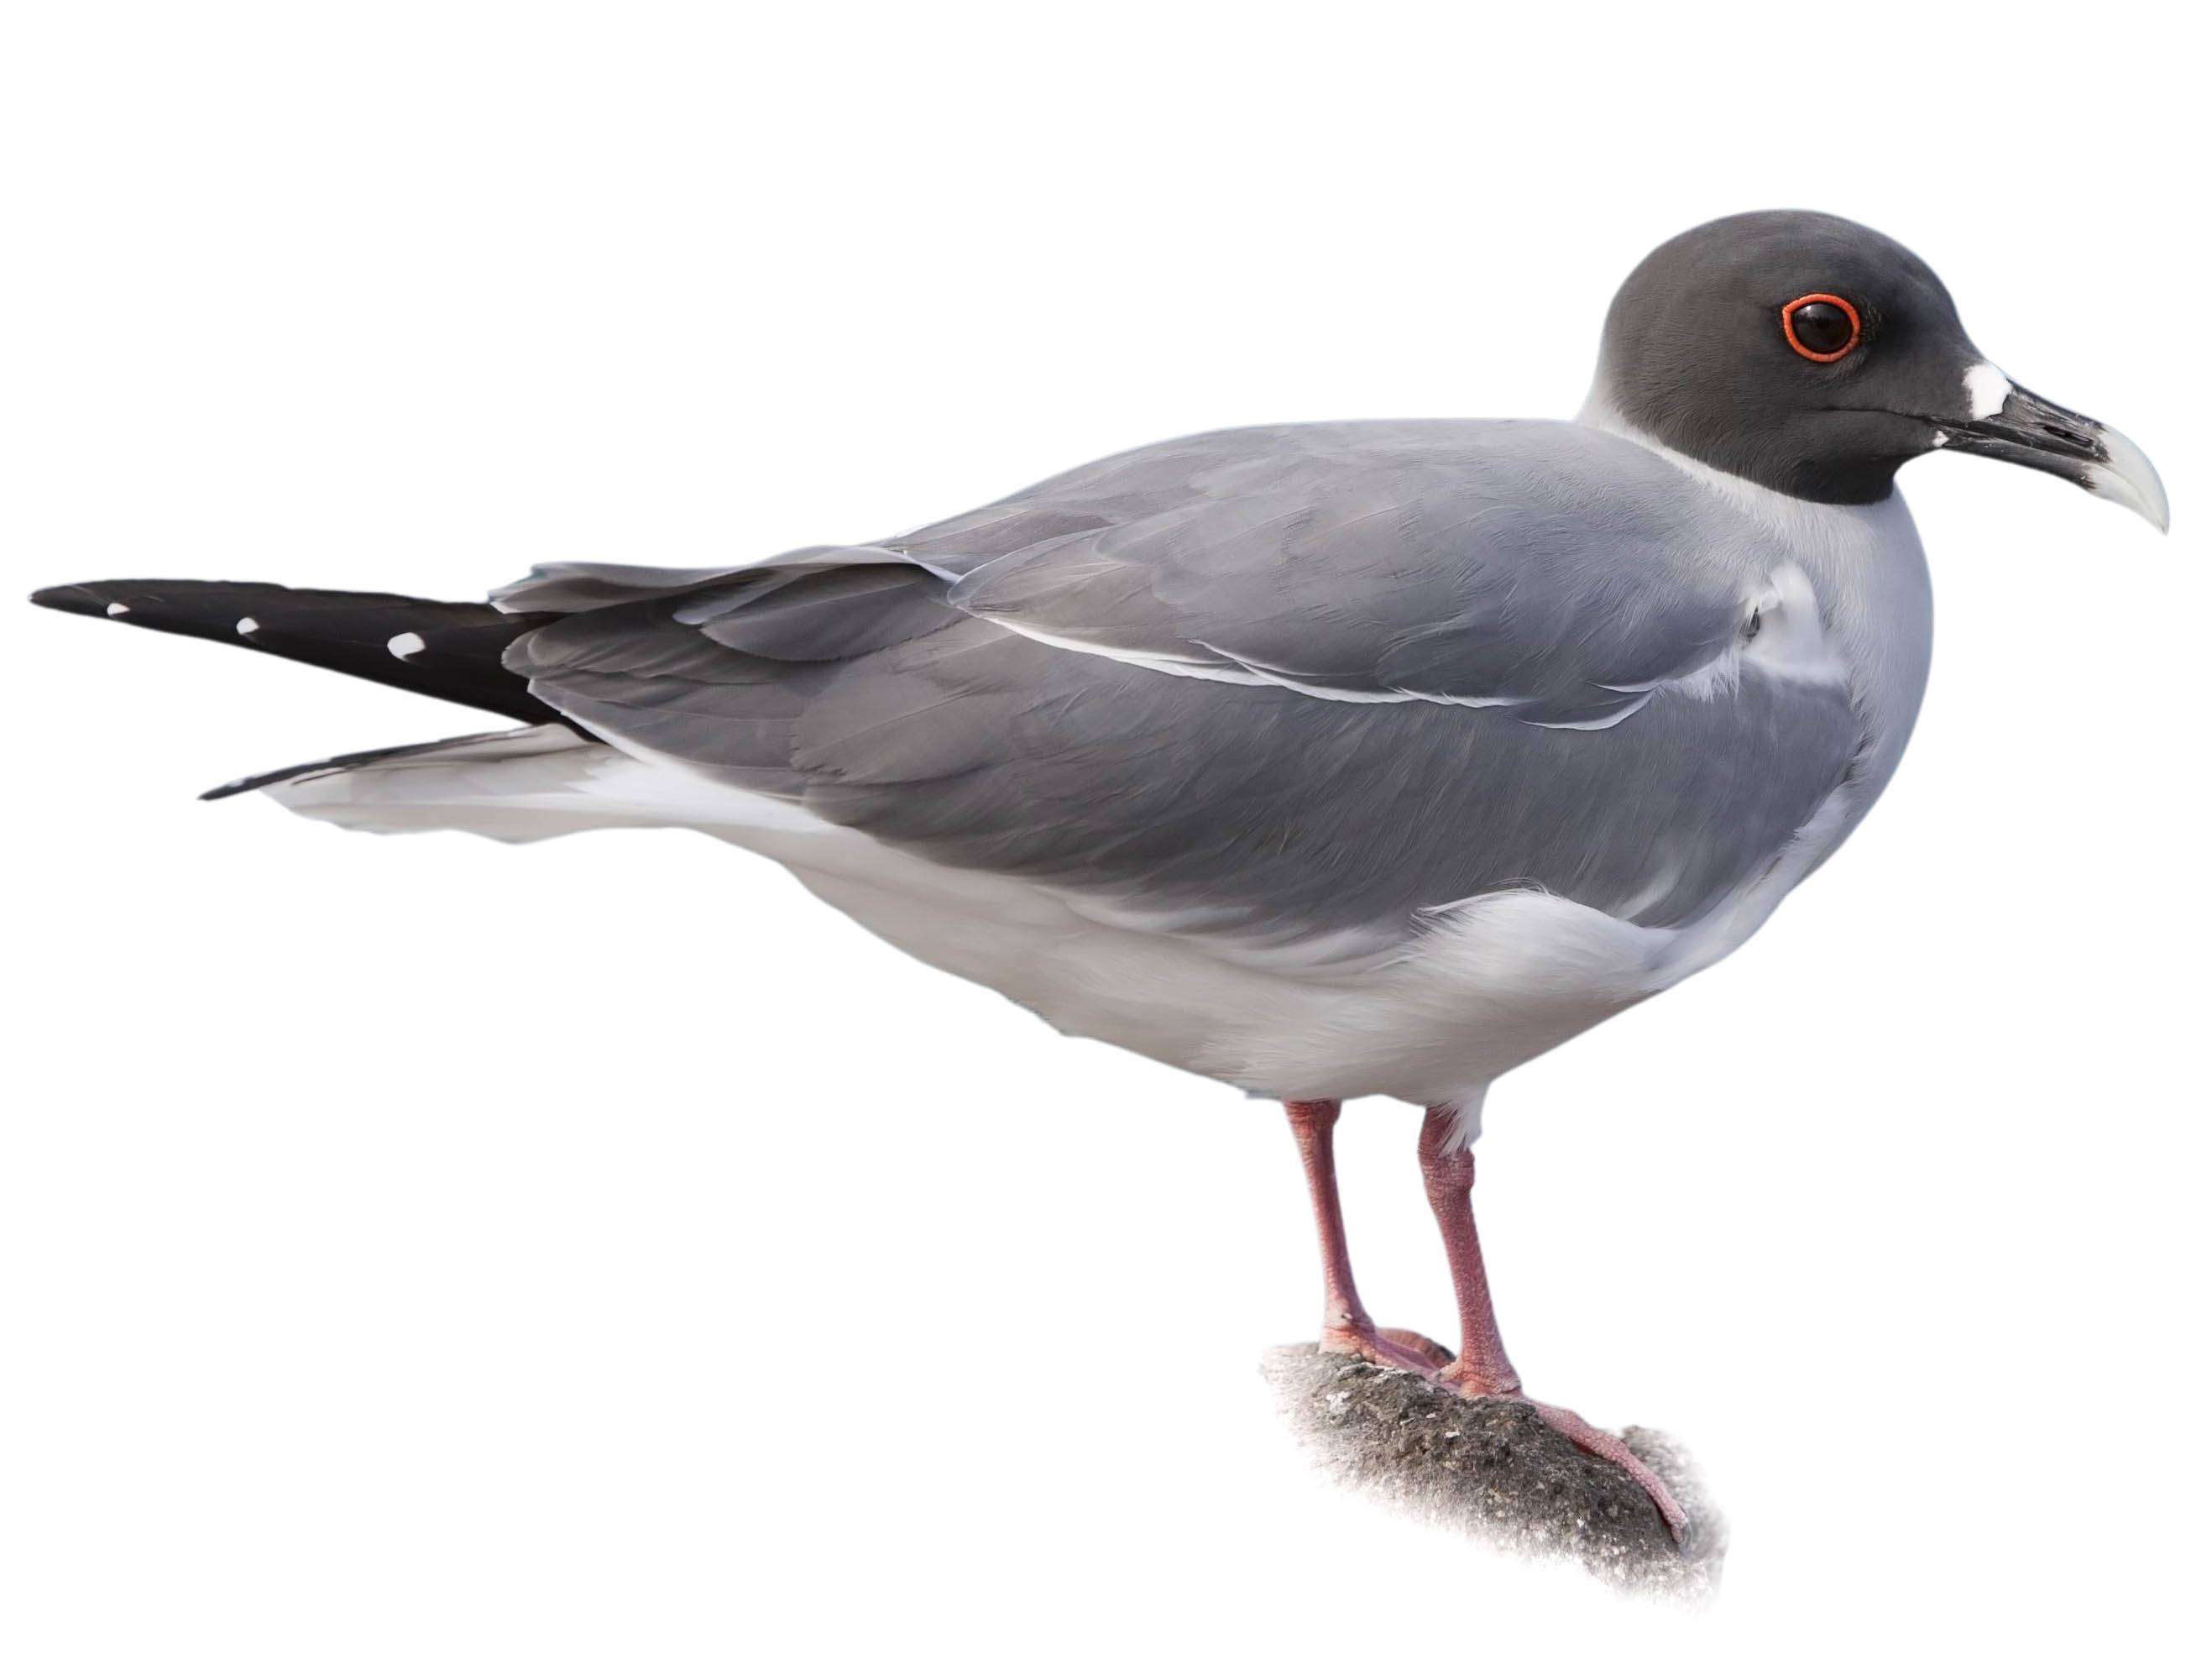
[{"x": 1789, "y": 327}]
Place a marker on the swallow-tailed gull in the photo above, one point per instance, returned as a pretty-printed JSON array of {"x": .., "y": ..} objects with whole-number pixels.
[{"x": 1363, "y": 758}]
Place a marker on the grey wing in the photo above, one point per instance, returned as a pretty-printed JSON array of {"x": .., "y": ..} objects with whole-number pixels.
[
  {"x": 1063, "y": 710},
  {"x": 1532, "y": 565}
]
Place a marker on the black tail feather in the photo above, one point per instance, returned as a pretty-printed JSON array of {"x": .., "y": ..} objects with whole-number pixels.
[{"x": 449, "y": 651}]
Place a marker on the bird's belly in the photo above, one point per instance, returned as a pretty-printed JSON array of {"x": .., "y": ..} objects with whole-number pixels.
[
  {"x": 1428, "y": 1013},
  {"x": 1429, "y": 1017}
]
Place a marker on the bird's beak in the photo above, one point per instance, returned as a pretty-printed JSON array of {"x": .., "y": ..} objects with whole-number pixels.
[{"x": 2029, "y": 431}]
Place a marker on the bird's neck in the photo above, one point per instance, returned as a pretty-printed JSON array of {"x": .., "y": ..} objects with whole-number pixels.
[{"x": 1775, "y": 508}]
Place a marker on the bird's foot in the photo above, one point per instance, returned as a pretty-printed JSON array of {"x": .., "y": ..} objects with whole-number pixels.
[
  {"x": 1594, "y": 1441},
  {"x": 1391, "y": 1348}
]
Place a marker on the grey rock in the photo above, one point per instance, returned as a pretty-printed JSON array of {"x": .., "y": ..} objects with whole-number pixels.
[{"x": 1495, "y": 1470}]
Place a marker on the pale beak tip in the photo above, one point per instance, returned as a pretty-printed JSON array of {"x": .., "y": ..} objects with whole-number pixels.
[{"x": 2128, "y": 477}]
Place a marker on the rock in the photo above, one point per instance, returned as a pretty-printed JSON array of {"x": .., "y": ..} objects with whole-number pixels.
[{"x": 1494, "y": 1469}]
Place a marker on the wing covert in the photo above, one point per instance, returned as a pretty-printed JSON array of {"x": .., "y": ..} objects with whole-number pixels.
[
  {"x": 1480, "y": 564},
  {"x": 1326, "y": 608}
]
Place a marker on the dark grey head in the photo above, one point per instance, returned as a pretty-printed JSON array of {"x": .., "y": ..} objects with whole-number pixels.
[{"x": 1815, "y": 357}]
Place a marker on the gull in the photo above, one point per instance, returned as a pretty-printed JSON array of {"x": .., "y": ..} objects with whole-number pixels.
[{"x": 1369, "y": 758}]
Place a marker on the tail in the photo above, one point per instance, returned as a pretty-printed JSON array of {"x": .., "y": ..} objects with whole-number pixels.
[
  {"x": 451, "y": 652},
  {"x": 548, "y": 779}
]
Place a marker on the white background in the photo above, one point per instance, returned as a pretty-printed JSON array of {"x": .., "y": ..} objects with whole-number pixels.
[{"x": 423, "y": 1246}]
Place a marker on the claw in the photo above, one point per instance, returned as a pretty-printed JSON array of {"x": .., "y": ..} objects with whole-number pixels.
[{"x": 1614, "y": 1451}]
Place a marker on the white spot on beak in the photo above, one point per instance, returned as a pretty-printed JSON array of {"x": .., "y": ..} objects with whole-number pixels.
[
  {"x": 1987, "y": 388},
  {"x": 404, "y": 646},
  {"x": 247, "y": 625},
  {"x": 119, "y": 610}
]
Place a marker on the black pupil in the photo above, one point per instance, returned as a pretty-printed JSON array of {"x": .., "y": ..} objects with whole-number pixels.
[{"x": 1821, "y": 327}]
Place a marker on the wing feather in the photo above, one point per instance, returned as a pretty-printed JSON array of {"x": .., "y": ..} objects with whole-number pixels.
[{"x": 1432, "y": 660}]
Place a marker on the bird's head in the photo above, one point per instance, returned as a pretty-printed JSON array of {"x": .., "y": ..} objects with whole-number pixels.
[{"x": 1815, "y": 357}]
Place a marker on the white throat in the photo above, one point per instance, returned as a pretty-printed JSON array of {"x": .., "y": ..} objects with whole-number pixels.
[{"x": 1771, "y": 507}]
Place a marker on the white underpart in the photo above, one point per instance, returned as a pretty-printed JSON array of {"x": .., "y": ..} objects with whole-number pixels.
[
  {"x": 1987, "y": 388},
  {"x": 404, "y": 646},
  {"x": 248, "y": 625},
  {"x": 119, "y": 610},
  {"x": 1485, "y": 987}
]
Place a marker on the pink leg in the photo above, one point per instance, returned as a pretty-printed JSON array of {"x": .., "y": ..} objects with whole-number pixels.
[
  {"x": 1482, "y": 1367},
  {"x": 1345, "y": 1327}
]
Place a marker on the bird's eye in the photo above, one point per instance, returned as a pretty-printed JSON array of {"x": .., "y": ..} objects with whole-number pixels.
[{"x": 1821, "y": 326}]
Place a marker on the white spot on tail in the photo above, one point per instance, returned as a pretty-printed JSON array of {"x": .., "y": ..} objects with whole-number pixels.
[
  {"x": 1986, "y": 390},
  {"x": 404, "y": 646},
  {"x": 247, "y": 625},
  {"x": 119, "y": 610},
  {"x": 1942, "y": 437}
]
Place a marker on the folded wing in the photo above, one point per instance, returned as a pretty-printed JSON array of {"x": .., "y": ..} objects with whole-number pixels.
[{"x": 1280, "y": 682}]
